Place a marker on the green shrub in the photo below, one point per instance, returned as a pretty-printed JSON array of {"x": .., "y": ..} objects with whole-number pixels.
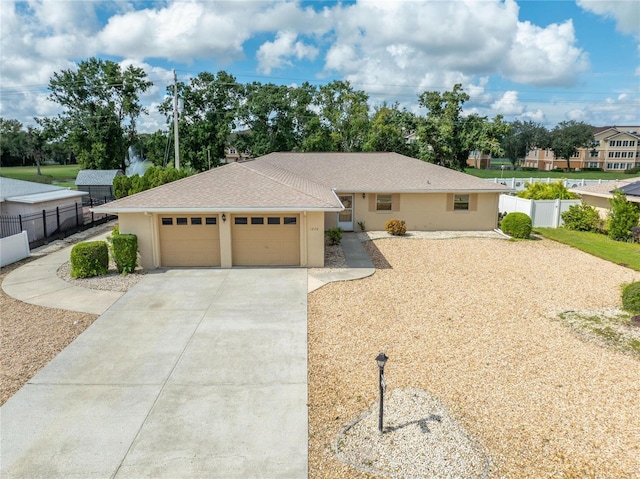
[
  {"x": 546, "y": 191},
  {"x": 582, "y": 217},
  {"x": 125, "y": 252},
  {"x": 396, "y": 227},
  {"x": 517, "y": 225},
  {"x": 90, "y": 258},
  {"x": 623, "y": 216},
  {"x": 334, "y": 235},
  {"x": 631, "y": 297}
]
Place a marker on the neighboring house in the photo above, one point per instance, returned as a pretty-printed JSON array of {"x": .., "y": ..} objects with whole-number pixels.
[
  {"x": 617, "y": 148},
  {"x": 598, "y": 195},
  {"x": 231, "y": 152},
  {"x": 274, "y": 210},
  {"x": 22, "y": 204},
  {"x": 97, "y": 183}
]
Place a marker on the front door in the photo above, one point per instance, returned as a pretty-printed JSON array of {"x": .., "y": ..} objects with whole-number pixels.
[{"x": 345, "y": 217}]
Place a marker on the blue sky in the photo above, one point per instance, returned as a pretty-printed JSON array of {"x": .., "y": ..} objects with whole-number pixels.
[{"x": 545, "y": 61}]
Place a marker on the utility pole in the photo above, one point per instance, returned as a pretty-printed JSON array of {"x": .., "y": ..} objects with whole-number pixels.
[{"x": 175, "y": 119}]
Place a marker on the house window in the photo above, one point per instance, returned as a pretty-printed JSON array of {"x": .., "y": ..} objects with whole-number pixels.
[
  {"x": 383, "y": 202},
  {"x": 460, "y": 202},
  {"x": 240, "y": 220},
  {"x": 594, "y": 154},
  {"x": 632, "y": 143},
  {"x": 181, "y": 221},
  {"x": 196, "y": 221},
  {"x": 611, "y": 154},
  {"x": 257, "y": 220},
  {"x": 290, "y": 220},
  {"x": 167, "y": 221},
  {"x": 625, "y": 143},
  {"x": 211, "y": 220},
  {"x": 593, "y": 164},
  {"x": 273, "y": 220}
]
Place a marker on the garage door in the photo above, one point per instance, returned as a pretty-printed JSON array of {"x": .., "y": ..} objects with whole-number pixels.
[
  {"x": 265, "y": 240},
  {"x": 189, "y": 240}
]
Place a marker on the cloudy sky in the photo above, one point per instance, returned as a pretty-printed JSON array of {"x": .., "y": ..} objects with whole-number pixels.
[{"x": 545, "y": 61}]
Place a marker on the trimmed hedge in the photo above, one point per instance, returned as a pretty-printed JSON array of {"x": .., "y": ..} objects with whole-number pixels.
[
  {"x": 90, "y": 258},
  {"x": 516, "y": 225},
  {"x": 631, "y": 297},
  {"x": 125, "y": 252},
  {"x": 396, "y": 227}
]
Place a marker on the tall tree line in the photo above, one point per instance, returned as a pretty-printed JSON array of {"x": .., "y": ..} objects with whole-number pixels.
[{"x": 101, "y": 108}]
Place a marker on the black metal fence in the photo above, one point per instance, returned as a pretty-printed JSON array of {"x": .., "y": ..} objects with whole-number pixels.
[{"x": 49, "y": 225}]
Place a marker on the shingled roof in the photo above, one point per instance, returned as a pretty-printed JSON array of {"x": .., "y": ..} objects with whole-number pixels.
[
  {"x": 97, "y": 177},
  {"x": 300, "y": 181}
]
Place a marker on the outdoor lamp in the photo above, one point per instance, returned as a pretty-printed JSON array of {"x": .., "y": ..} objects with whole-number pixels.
[
  {"x": 381, "y": 359},
  {"x": 224, "y": 217}
]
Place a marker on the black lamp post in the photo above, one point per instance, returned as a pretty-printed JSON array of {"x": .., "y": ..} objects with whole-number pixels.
[{"x": 382, "y": 359}]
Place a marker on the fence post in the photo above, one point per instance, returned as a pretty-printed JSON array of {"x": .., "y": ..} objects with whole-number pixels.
[
  {"x": 77, "y": 221},
  {"x": 58, "y": 218},
  {"x": 44, "y": 222},
  {"x": 20, "y": 221}
]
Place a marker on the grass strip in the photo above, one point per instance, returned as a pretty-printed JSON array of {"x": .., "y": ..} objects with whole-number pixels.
[{"x": 624, "y": 254}]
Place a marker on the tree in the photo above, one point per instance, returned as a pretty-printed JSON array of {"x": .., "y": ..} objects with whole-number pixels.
[
  {"x": 101, "y": 108},
  {"x": 568, "y": 136},
  {"x": 208, "y": 117},
  {"x": 344, "y": 112},
  {"x": 522, "y": 137},
  {"x": 623, "y": 216},
  {"x": 269, "y": 112},
  {"x": 440, "y": 133},
  {"x": 13, "y": 143},
  {"x": 387, "y": 130},
  {"x": 484, "y": 136},
  {"x": 153, "y": 147}
]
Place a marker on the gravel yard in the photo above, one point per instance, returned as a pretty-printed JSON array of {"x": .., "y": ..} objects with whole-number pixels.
[
  {"x": 31, "y": 336},
  {"x": 473, "y": 323}
]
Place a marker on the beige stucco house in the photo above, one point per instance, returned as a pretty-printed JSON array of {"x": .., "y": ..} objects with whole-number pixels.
[
  {"x": 274, "y": 210},
  {"x": 600, "y": 194}
]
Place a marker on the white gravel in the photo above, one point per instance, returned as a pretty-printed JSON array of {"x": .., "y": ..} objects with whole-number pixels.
[{"x": 421, "y": 439}]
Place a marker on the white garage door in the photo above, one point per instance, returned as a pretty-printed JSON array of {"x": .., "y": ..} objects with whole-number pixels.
[
  {"x": 189, "y": 240},
  {"x": 265, "y": 240}
]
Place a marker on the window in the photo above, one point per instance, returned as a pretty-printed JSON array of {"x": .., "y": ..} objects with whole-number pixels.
[
  {"x": 211, "y": 220},
  {"x": 460, "y": 202},
  {"x": 625, "y": 143},
  {"x": 290, "y": 220},
  {"x": 383, "y": 202},
  {"x": 632, "y": 143},
  {"x": 273, "y": 220},
  {"x": 594, "y": 154},
  {"x": 617, "y": 155},
  {"x": 257, "y": 220},
  {"x": 240, "y": 220},
  {"x": 611, "y": 154},
  {"x": 181, "y": 221},
  {"x": 593, "y": 164},
  {"x": 167, "y": 221},
  {"x": 196, "y": 221}
]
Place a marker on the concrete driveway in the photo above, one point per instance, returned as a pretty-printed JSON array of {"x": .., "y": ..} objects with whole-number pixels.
[{"x": 192, "y": 373}]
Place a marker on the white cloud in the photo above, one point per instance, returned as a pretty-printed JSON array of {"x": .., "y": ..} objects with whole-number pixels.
[
  {"x": 545, "y": 56},
  {"x": 626, "y": 13},
  {"x": 508, "y": 104},
  {"x": 276, "y": 54},
  {"x": 537, "y": 116}
]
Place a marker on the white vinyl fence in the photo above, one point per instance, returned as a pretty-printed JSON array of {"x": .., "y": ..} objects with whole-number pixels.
[
  {"x": 14, "y": 248},
  {"x": 519, "y": 184},
  {"x": 543, "y": 213}
]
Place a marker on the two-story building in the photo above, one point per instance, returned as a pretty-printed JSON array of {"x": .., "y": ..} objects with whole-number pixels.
[{"x": 617, "y": 148}]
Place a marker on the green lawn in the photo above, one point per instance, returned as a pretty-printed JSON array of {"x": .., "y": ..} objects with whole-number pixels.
[
  {"x": 61, "y": 175},
  {"x": 587, "y": 175},
  {"x": 626, "y": 254}
]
